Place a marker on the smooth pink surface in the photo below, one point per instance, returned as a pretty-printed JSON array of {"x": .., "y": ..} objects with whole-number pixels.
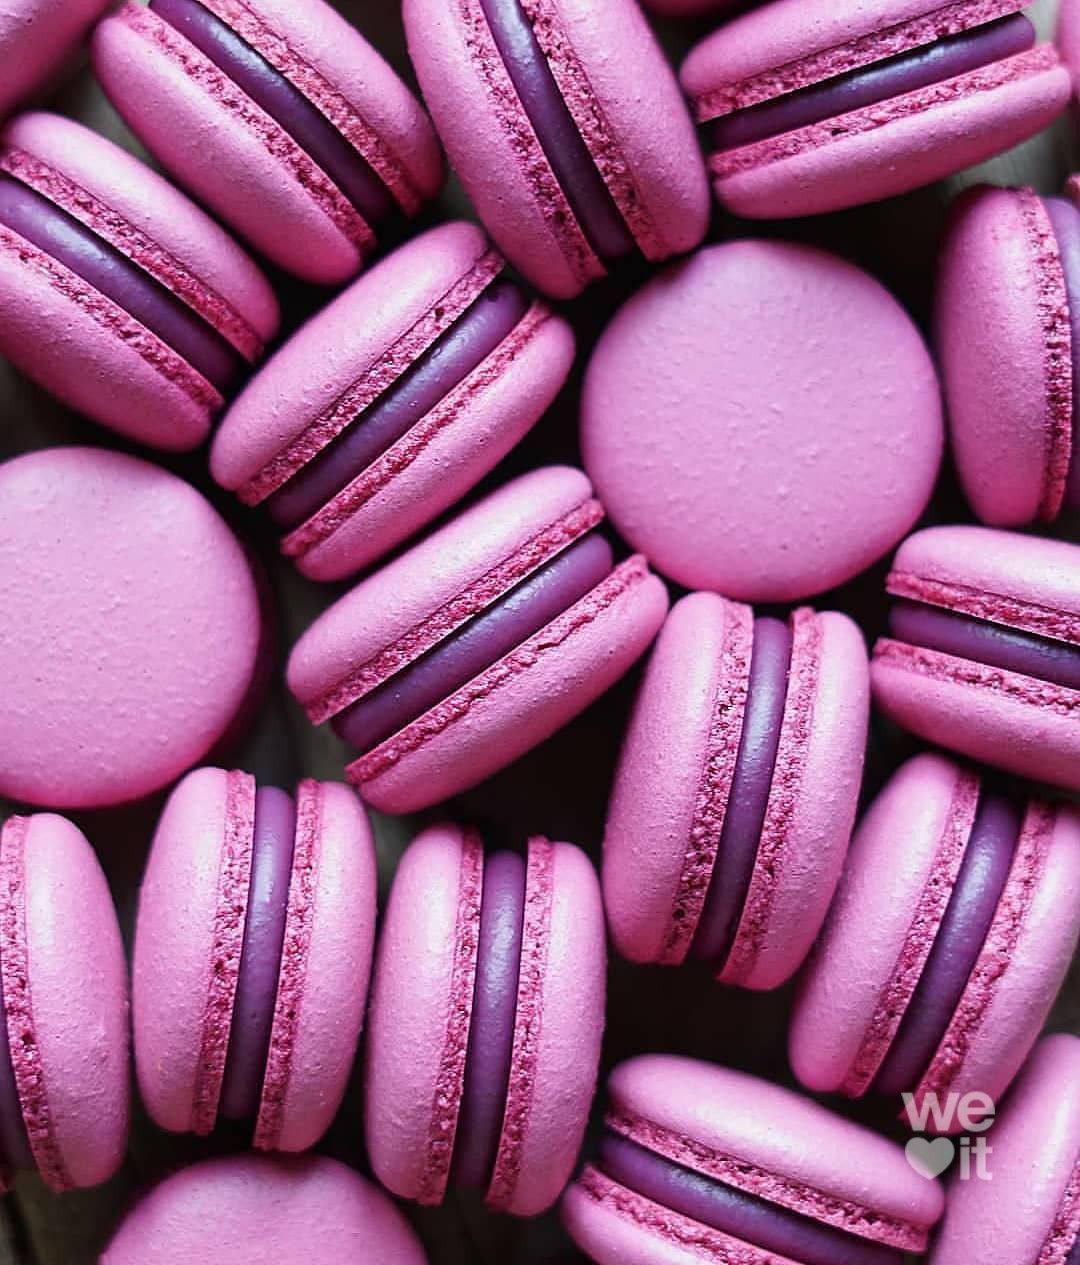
[
  {"x": 635, "y": 101},
  {"x": 1034, "y": 1157},
  {"x": 770, "y": 464},
  {"x": 1068, "y": 38},
  {"x": 1003, "y": 337},
  {"x": 200, "y": 134},
  {"x": 652, "y": 817},
  {"x": 412, "y": 1002},
  {"x": 35, "y": 38},
  {"x": 77, "y": 993},
  {"x": 1003, "y": 718},
  {"x": 108, "y": 701},
  {"x": 260, "y": 1211}
]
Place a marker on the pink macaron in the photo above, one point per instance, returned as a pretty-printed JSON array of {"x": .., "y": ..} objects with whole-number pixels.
[
  {"x": 1068, "y": 41},
  {"x": 486, "y": 1017},
  {"x": 983, "y": 655},
  {"x": 567, "y": 128},
  {"x": 951, "y": 933},
  {"x": 262, "y": 1211},
  {"x": 464, "y": 653},
  {"x": 132, "y": 639},
  {"x": 36, "y": 37},
  {"x": 815, "y": 105},
  {"x": 64, "y": 1069},
  {"x": 278, "y": 116},
  {"x": 779, "y": 457},
  {"x": 736, "y": 789},
  {"x": 117, "y": 294},
  {"x": 1008, "y": 335},
  {"x": 252, "y": 952},
  {"x": 700, "y": 1164},
  {"x": 391, "y": 403},
  {"x": 1029, "y": 1209}
]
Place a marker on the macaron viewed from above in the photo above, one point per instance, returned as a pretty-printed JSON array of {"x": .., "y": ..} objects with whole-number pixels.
[
  {"x": 951, "y": 933},
  {"x": 566, "y": 126},
  {"x": 486, "y": 1017},
  {"x": 261, "y": 1211},
  {"x": 252, "y": 952},
  {"x": 64, "y": 1067},
  {"x": 1030, "y": 1209},
  {"x": 117, "y": 294},
  {"x": 736, "y": 790},
  {"x": 278, "y": 116},
  {"x": 479, "y": 642},
  {"x": 1008, "y": 336},
  {"x": 817, "y": 105},
  {"x": 781, "y": 459},
  {"x": 698, "y": 1163},
  {"x": 391, "y": 403},
  {"x": 983, "y": 655},
  {"x": 36, "y": 37},
  {"x": 132, "y": 639}
]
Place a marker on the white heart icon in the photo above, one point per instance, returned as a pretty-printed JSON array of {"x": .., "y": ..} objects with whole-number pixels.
[{"x": 930, "y": 1158}]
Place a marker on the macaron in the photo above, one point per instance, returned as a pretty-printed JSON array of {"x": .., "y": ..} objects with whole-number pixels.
[
  {"x": 260, "y": 1211},
  {"x": 117, "y": 294},
  {"x": 736, "y": 789},
  {"x": 701, "y": 1163},
  {"x": 64, "y": 1072},
  {"x": 486, "y": 1016},
  {"x": 952, "y": 930},
  {"x": 392, "y": 402},
  {"x": 479, "y": 642},
  {"x": 1029, "y": 1209},
  {"x": 36, "y": 38},
  {"x": 817, "y": 105},
  {"x": 780, "y": 459},
  {"x": 1068, "y": 41},
  {"x": 253, "y": 948},
  {"x": 280, "y": 117},
  {"x": 131, "y": 635},
  {"x": 983, "y": 655},
  {"x": 1008, "y": 334},
  {"x": 566, "y": 126}
]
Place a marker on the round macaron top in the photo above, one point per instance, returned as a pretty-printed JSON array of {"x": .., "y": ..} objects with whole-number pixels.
[
  {"x": 65, "y": 998},
  {"x": 779, "y": 460},
  {"x": 1068, "y": 35},
  {"x": 260, "y": 1210},
  {"x": 35, "y": 37},
  {"x": 1030, "y": 1209},
  {"x": 108, "y": 700}
]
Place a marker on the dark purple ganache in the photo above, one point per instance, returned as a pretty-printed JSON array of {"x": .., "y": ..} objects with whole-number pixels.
[{"x": 880, "y": 81}]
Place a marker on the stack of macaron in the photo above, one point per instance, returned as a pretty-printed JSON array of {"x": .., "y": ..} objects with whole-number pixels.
[{"x": 809, "y": 710}]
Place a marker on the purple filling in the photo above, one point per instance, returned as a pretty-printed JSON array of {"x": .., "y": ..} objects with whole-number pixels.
[
  {"x": 881, "y": 81},
  {"x": 14, "y": 1143},
  {"x": 770, "y": 660},
  {"x": 968, "y": 637},
  {"x": 747, "y": 1217},
  {"x": 491, "y": 1030},
  {"x": 1065, "y": 220},
  {"x": 960, "y": 937},
  {"x": 79, "y": 249},
  {"x": 260, "y": 955},
  {"x": 449, "y": 361},
  {"x": 556, "y": 130},
  {"x": 485, "y": 639},
  {"x": 270, "y": 90}
]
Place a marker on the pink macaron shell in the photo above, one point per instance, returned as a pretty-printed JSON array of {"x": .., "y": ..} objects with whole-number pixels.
[
  {"x": 262, "y": 1210},
  {"x": 892, "y": 855},
  {"x": 35, "y": 37},
  {"x": 999, "y": 283},
  {"x": 319, "y": 1013},
  {"x": 554, "y": 1077},
  {"x": 387, "y": 605},
  {"x": 407, "y": 1025},
  {"x": 78, "y": 996},
  {"x": 1034, "y": 1153},
  {"x": 1068, "y": 38}
]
